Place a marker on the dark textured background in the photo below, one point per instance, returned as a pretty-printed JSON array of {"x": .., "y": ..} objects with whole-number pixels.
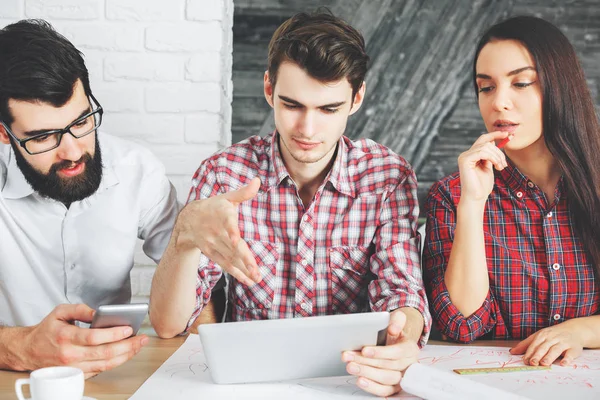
[{"x": 420, "y": 100}]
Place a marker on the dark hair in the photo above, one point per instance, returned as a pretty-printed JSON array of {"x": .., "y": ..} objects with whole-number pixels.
[
  {"x": 327, "y": 47},
  {"x": 38, "y": 64},
  {"x": 570, "y": 125}
]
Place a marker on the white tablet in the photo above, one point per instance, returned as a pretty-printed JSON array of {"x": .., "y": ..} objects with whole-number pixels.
[{"x": 283, "y": 349}]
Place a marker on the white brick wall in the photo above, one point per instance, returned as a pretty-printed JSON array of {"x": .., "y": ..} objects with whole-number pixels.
[{"x": 162, "y": 71}]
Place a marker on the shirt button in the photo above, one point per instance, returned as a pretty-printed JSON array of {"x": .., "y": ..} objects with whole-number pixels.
[
  {"x": 556, "y": 267},
  {"x": 305, "y": 218},
  {"x": 72, "y": 266},
  {"x": 519, "y": 194},
  {"x": 304, "y": 306},
  {"x": 549, "y": 214},
  {"x": 304, "y": 263},
  {"x": 556, "y": 317},
  {"x": 530, "y": 184}
]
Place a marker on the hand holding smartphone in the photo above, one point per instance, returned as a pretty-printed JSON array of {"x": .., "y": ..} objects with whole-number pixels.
[{"x": 132, "y": 315}]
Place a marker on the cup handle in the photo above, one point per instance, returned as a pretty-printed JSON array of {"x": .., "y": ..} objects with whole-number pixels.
[{"x": 19, "y": 387}]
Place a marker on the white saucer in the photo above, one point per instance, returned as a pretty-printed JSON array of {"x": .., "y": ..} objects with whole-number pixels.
[{"x": 83, "y": 398}]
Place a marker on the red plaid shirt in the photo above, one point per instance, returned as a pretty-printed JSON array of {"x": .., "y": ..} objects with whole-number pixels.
[
  {"x": 354, "y": 249},
  {"x": 538, "y": 270}
]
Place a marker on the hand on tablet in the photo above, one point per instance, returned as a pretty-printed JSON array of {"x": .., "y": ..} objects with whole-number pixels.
[{"x": 380, "y": 368}]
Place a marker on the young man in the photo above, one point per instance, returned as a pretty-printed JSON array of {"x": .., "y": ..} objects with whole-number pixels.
[
  {"x": 72, "y": 203},
  {"x": 334, "y": 225}
]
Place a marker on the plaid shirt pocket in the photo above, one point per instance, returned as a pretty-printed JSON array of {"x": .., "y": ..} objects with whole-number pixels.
[{"x": 350, "y": 276}]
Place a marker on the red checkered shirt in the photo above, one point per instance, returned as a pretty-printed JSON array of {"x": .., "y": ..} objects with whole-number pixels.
[
  {"x": 538, "y": 270},
  {"x": 354, "y": 249}
]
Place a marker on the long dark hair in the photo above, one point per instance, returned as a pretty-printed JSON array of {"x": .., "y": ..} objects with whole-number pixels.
[
  {"x": 38, "y": 64},
  {"x": 570, "y": 125}
]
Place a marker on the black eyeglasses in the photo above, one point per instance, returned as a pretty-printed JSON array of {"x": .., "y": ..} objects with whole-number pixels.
[{"x": 50, "y": 140}]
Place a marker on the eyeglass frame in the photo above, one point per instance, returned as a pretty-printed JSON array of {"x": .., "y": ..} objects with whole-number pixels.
[{"x": 60, "y": 132}]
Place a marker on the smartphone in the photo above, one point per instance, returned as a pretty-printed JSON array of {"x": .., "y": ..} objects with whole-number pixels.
[{"x": 111, "y": 315}]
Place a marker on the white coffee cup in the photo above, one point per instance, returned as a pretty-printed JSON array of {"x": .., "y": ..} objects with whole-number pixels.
[{"x": 53, "y": 383}]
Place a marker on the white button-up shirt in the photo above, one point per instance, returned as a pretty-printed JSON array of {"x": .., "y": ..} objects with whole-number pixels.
[{"x": 51, "y": 255}]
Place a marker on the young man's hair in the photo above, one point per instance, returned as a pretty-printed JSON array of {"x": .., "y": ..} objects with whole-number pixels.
[
  {"x": 326, "y": 47},
  {"x": 38, "y": 64}
]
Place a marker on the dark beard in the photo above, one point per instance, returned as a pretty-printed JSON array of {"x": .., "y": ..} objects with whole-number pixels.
[{"x": 67, "y": 190}]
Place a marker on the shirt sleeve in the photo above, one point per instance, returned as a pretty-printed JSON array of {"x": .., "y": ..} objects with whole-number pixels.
[
  {"x": 204, "y": 185},
  {"x": 396, "y": 261},
  {"x": 159, "y": 209},
  {"x": 441, "y": 223}
]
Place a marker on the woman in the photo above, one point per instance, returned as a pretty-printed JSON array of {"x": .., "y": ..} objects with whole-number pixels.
[{"x": 512, "y": 247}]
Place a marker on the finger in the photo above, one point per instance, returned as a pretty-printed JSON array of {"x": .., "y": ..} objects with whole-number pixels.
[
  {"x": 245, "y": 254},
  {"x": 224, "y": 245},
  {"x": 491, "y": 137},
  {"x": 376, "y": 388},
  {"x": 489, "y": 154},
  {"x": 240, "y": 258},
  {"x": 73, "y": 312},
  {"x": 232, "y": 228},
  {"x": 397, "y": 365},
  {"x": 522, "y": 346},
  {"x": 553, "y": 353},
  {"x": 239, "y": 272},
  {"x": 405, "y": 349},
  {"x": 382, "y": 376},
  {"x": 532, "y": 349},
  {"x": 397, "y": 322},
  {"x": 95, "y": 367},
  {"x": 570, "y": 355},
  {"x": 115, "y": 349},
  {"x": 538, "y": 352},
  {"x": 99, "y": 336},
  {"x": 478, "y": 156},
  {"x": 495, "y": 150},
  {"x": 245, "y": 193},
  {"x": 240, "y": 276}
]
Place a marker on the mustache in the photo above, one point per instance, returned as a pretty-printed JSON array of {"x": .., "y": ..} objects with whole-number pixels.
[{"x": 70, "y": 164}]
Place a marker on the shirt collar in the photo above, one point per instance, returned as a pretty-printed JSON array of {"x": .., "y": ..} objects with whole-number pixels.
[
  {"x": 519, "y": 183},
  {"x": 515, "y": 180},
  {"x": 278, "y": 171},
  {"x": 17, "y": 187},
  {"x": 109, "y": 175},
  {"x": 337, "y": 176}
]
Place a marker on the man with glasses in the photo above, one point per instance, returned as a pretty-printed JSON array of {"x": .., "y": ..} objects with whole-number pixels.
[
  {"x": 83, "y": 176},
  {"x": 73, "y": 202}
]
